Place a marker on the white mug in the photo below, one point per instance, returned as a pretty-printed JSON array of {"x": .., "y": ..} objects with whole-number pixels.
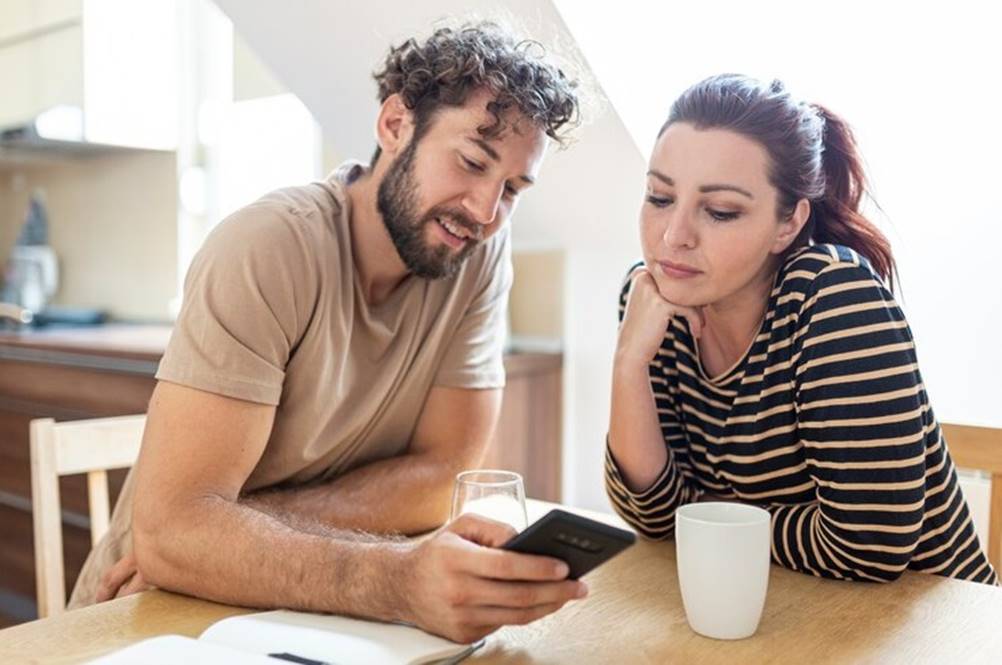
[{"x": 722, "y": 551}]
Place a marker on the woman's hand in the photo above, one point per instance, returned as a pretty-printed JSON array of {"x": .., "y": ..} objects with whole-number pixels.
[{"x": 646, "y": 319}]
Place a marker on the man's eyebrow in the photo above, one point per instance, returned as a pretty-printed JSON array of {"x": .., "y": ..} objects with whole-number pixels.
[
  {"x": 485, "y": 146},
  {"x": 493, "y": 154}
]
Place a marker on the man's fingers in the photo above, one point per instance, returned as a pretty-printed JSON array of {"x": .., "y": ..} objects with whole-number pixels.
[
  {"x": 492, "y": 618},
  {"x": 115, "y": 577},
  {"x": 482, "y": 530},
  {"x": 521, "y": 595},
  {"x": 135, "y": 584},
  {"x": 504, "y": 565}
]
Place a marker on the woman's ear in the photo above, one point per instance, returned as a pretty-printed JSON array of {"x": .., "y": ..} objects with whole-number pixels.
[
  {"x": 394, "y": 125},
  {"x": 790, "y": 227}
]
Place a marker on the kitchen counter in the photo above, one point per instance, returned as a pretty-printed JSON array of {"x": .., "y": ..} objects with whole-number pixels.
[{"x": 66, "y": 344}]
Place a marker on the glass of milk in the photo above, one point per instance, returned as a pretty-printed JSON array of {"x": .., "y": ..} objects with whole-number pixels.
[{"x": 498, "y": 495}]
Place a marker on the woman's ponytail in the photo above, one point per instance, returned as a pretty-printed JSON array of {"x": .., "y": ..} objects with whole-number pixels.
[{"x": 835, "y": 216}]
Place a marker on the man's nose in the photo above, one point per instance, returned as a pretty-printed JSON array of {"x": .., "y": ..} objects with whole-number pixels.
[{"x": 482, "y": 204}]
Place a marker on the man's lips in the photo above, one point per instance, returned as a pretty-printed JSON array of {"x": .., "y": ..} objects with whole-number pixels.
[{"x": 453, "y": 233}]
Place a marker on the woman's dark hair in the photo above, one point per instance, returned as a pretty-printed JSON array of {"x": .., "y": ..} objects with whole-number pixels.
[
  {"x": 445, "y": 68},
  {"x": 812, "y": 154}
]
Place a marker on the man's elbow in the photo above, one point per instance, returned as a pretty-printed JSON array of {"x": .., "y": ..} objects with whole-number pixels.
[
  {"x": 150, "y": 536},
  {"x": 158, "y": 543}
]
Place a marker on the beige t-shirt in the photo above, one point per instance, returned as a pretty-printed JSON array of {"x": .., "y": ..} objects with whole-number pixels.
[{"x": 273, "y": 313}]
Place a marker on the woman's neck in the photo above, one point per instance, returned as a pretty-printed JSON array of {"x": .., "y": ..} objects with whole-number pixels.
[{"x": 731, "y": 325}]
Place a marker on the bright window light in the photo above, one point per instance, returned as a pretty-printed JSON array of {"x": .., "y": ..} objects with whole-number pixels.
[{"x": 266, "y": 143}]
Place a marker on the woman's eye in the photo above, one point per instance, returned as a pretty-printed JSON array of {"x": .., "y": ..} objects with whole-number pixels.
[
  {"x": 472, "y": 165},
  {"x": 722, "y": 215},
  {"x": 659, "y": 201},
  {"x": 510, "y": 191}
]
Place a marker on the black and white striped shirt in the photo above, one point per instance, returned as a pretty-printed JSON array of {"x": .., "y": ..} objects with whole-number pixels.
[{"x": 825, "y": 423}]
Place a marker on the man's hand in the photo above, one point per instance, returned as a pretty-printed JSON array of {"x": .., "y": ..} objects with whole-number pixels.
[
  {"x": 462, "y": 587},
  {"x": 122, "y": 579}
]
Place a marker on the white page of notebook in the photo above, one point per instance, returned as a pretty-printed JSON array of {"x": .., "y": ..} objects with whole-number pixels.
[
  {"x": 174, "y": 649},
  {"x": 331, "y": 639}
]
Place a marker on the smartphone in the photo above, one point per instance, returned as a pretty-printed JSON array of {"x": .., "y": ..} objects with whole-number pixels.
[{"x": 579, "y": 541}]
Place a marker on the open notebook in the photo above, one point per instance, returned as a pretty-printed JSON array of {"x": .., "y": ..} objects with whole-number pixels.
[{"x": 295, "y": 637}]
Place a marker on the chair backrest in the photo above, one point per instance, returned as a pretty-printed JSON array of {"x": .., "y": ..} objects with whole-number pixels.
[
  {"x": 61, "y": 449},
  {"x": 981, "y": 448}
]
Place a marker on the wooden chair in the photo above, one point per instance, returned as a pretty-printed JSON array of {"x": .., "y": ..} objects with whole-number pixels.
[
  {"x": 61, "y": 449},
  {"x": 981, "y": 448}
]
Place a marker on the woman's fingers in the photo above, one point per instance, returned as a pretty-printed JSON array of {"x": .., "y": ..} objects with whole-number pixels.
[
  {"x": 645, "y": 286},
  {"x": 693, "y": 315}
]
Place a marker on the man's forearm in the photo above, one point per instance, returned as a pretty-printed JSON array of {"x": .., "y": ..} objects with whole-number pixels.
[
  {"x": 223, "y": 551},
  {"x": 408, "y": 494}
]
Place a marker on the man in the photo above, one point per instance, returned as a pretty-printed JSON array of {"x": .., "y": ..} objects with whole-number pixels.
[{"x": 337, "y": 360}]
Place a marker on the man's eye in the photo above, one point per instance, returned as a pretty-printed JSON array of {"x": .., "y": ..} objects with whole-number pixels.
[{"x": 472, "y": 165}]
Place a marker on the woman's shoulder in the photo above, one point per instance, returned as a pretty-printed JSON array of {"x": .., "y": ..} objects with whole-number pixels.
[
  {"x": 833, "y": 283},
  {"x": 816, "y": 267}
]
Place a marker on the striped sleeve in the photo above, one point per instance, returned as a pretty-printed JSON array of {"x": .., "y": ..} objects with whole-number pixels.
[
  {"x": 652, "y": 511},
  {"x": 862, "y": 420}
]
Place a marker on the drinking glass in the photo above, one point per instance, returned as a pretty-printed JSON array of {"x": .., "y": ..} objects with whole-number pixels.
[{"x": 498, "y": 495}]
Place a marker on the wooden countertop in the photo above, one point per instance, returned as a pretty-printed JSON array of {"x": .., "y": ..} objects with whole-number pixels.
[
  {"x": 120, "y": 340},
  {"x": 142, "y": 345}
]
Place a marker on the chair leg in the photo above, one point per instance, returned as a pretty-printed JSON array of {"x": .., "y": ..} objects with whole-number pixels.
[
  {"x": 47, "y": 519},
  {"x": 995, "y": 524}
]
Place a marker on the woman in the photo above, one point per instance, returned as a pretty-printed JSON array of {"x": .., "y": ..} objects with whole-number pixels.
[{"x": 762, "y": 357}]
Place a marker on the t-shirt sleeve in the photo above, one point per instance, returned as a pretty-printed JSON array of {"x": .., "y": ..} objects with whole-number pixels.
[
  {"x": 475, "y": 356},
  {"x": 247, "y": 299}
]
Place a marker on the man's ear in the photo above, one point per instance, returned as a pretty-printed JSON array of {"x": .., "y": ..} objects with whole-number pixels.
[
  {"x": 394, "y": 125},
  {"x": 790, "y": 227}
]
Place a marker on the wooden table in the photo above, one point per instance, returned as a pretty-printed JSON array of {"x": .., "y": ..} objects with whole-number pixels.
[{"x": 634, "y": 614}]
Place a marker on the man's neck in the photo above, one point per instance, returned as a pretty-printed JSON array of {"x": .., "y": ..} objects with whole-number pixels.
[{"x": 377, "y": 263}]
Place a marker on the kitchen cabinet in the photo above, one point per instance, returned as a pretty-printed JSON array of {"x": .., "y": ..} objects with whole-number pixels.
[
  {"x": 115, "y": 61},
  {"x": 108, "y": 370},
  {"x": 22, "y": 17}
]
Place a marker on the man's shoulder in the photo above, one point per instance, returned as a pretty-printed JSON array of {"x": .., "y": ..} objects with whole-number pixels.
[{"x": 304, "y": 221}]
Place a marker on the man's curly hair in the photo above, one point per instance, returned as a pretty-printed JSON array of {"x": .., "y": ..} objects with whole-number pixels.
[{"x": 445, "y": 68}]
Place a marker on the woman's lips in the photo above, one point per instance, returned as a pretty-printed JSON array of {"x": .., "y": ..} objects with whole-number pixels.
[{"x": 678, "y": 270}]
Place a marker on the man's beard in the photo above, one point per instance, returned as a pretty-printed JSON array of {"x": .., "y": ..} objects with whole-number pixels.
[{"x": 397, "y": 203}]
